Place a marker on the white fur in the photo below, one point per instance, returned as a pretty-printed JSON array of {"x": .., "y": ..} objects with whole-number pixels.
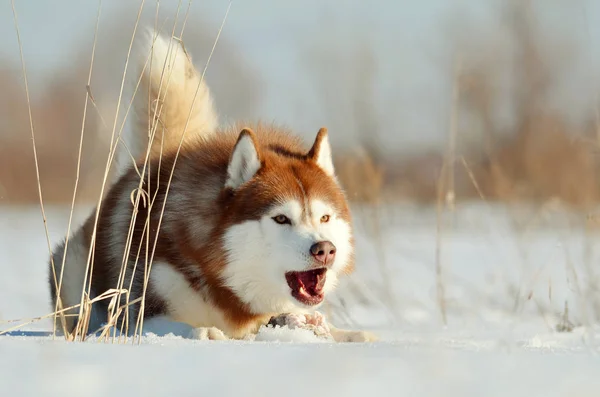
[
  {"x": 208, "y": 333},
  {"x": 74, "y": 272},
  {"x": 324, "y": 158},
  {"x": 184, "y": 304},
  {"x": 260, "y": 252},
  {"x": 243, "y": 164},
  {"x": 184, "y": 101},
  {"x": 164, "y": 325}
]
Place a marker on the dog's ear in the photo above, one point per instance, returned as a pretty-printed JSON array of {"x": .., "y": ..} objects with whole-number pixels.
[
  {"x": 320, "y": 152},
  {"x": 245, "y": 160}
]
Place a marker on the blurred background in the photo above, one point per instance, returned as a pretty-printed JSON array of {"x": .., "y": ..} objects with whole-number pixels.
[
  {"x": 505, "y": 91},
  {"x": 432, "y": 102}
]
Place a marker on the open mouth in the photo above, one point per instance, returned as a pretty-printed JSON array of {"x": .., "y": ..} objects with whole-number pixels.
[{"x": 307, "y": 286}]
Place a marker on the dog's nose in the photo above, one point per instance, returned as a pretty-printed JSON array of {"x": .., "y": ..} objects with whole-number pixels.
[{"x": 323, "y": 251}]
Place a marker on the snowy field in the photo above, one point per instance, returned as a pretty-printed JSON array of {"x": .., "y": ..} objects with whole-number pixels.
[{"x": 506, "y": 274}]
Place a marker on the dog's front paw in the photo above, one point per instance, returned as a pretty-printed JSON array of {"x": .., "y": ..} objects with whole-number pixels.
[
  {"x": 208, "y": 333},
  {"x": 340, "y": 335},
  {"x": 312, "y": 322},
  {"x": 292, "y": 320},
  {"x": 318, "y": 320}
]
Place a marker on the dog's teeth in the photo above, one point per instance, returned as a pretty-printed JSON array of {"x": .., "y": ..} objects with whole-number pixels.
[{"x": 302, "y": 290}]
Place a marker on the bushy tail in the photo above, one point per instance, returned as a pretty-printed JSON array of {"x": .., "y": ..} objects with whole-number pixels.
[{"x": 169, "y": 100}]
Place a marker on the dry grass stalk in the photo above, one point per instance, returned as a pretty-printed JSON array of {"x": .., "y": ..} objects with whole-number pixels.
[
  {"x": 140, "y": 193},
  {"x": 137, "y": 195},
  {"x": 115, "y": 310},
  {"x": 41, "y": 199},
  {"x": 147, "y": 275},
  {"x": 472, "y": 177},
  {"x": 90, "y": 261},
  {"x": 107, "y": 294},
  {"x": 446, "y": 189},
  {"x": 438, "y": 247},
  {"x": 153, "y": 125},
  {"x": 68, "y": 233}
]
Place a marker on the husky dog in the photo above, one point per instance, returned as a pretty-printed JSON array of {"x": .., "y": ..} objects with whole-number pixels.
[{"x": 255, "y": 226}]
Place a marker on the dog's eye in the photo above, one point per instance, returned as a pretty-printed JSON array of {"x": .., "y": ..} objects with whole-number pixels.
[
  {"x": 325, "y": 218},
  {"x": 282, "y": 220}
]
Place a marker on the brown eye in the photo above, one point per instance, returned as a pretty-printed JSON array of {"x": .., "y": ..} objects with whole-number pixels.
[
  {"x": 282, "y": 220},
  {"x": 325, "y": 219}
]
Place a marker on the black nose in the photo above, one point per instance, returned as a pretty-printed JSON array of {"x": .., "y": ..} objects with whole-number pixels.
[{"x": 323, "y": 251}]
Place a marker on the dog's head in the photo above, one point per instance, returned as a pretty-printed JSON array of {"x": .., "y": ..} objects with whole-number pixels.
[{"x": 289, "y": 234}]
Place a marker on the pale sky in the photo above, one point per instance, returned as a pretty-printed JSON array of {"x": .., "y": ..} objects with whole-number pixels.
[{"x": 410, "y": 41}]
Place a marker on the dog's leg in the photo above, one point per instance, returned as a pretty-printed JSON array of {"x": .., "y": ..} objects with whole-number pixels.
[
  {"x": 340, "y": 335},
  {"x": 313, "y": 322},
  {"x": 208, "y": 333},
  {"x": 337, "y": 334},
  {"x": 292, "y": 320}
]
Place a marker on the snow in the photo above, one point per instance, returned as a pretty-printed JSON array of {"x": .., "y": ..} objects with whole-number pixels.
[
  {"x": 167, "y": 367},
  {"x": 506, "y": 274}
]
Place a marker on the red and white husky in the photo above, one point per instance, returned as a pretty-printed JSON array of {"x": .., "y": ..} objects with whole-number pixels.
[{"x": 255, "y": 225}]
